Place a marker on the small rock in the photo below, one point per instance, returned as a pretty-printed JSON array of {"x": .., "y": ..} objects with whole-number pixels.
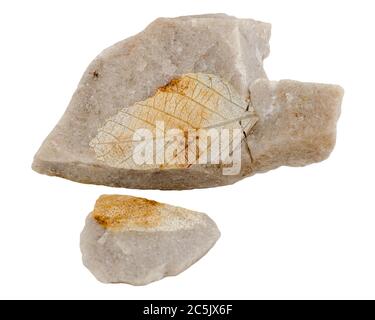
[{"x": 138, "y": 241}]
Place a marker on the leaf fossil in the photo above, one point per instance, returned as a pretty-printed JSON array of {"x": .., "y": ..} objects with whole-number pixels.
[{"x": 192, "y": 102}]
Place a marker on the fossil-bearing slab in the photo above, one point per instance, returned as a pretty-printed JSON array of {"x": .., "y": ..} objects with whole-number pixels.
[
  {"x": 186, "y": 104},
  {"x": 137, "y": 241}
]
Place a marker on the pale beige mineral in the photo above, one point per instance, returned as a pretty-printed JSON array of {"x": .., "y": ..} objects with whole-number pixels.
[
  {"x": 195, "y": 72},
  {"x": 137, "y": 241},
  {"x": 132, "y": 71},
  {"x": 296, "y": 123}
]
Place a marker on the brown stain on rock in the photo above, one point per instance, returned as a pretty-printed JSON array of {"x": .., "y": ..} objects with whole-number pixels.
[
  {"x": 193, "y": 99},
  {"x": 95, "y": 74},
  {"x": 116, "y": 212},
  {"x": 177, "y": 85}
]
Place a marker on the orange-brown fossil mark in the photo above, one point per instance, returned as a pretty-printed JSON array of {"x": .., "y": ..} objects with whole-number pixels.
[
  {"x": 186, "y": 87},
  {"x": 116, "y": 212},
  {"x": 177, "y": 85}
]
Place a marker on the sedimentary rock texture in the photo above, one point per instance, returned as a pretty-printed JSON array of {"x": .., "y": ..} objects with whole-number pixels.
[
  {"x": 138, "y": 241},
  {"x": 134, "y": 70},
  {"x": 296, "y": 123},
  {"x": 191, "y": 73}
]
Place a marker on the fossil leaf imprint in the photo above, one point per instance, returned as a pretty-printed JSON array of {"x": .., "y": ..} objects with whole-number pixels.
[{"x": 189, "y": 103}]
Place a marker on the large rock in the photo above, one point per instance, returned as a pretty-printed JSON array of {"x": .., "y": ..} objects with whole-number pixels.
[
  {"x": 132, "y": 71},
  {"x": 138, "y": 241},
  {"x": 195, "y": 72}
]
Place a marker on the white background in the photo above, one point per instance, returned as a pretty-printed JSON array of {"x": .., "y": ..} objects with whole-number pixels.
[{"x": 290, "y": 233}]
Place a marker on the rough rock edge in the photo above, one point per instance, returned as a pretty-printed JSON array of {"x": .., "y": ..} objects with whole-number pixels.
[{"x": 94, "y": 237}]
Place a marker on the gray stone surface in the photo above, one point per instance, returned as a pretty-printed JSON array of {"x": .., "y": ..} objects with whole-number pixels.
[
  {"x": 296, "y": 122},
  {"x": 131, "y": 71},
  {"x": 138, "y": 241},
  {"x": 296, "y": 125}
]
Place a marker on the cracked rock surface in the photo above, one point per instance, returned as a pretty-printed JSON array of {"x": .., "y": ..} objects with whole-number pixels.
[{"x": 138, "y": 241}]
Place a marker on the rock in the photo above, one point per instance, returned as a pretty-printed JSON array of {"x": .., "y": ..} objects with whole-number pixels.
[
  {"x": 132, "y": 71},
  {"x": 138, "y": 241},
  {"x": 296, "y": 123},
  {"x": 189, "y": 73}
]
